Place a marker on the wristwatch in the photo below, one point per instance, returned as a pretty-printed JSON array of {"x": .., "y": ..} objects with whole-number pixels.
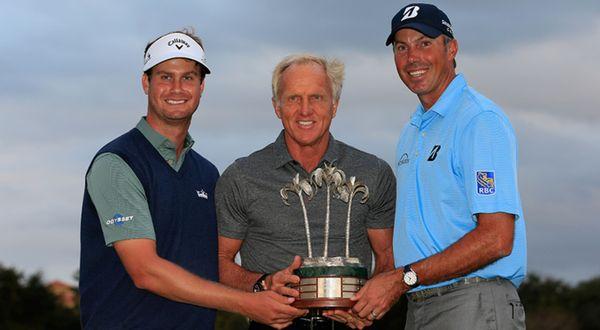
[
  {"x": 260, "y": 284},
  {"x": 410, "y": 277}
]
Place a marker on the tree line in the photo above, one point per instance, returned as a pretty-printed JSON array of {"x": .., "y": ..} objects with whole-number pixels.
[{"x": 29, "y": 303}]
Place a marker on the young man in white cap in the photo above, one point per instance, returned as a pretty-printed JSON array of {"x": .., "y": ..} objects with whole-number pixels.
[
  {"x": 459, "y": 235},
  {"x": 148, "y": 227}
]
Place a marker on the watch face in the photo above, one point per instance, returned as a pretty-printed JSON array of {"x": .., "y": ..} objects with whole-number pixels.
[{"x": 410, "y": 278}]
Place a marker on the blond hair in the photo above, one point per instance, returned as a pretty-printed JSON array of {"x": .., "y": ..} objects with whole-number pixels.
[{"x": 334, "y": 69}]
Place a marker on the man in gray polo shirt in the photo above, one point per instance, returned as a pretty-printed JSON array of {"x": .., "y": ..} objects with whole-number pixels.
[{"x": 251, "y": 216}]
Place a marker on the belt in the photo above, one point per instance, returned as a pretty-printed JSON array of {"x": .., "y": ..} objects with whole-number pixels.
[
  {"x": 304, "y": 323},
  {"x": 421, "y": 295}
]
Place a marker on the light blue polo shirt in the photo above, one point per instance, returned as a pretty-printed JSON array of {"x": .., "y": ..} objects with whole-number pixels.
[{"x": 454, "y": 161}]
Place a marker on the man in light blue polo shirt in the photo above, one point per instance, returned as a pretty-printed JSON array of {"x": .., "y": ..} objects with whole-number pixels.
[{"x": 459, "y": 237}]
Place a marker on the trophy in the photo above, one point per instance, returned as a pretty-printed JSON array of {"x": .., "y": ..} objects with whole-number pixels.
[{"x": 327, "y": 282}]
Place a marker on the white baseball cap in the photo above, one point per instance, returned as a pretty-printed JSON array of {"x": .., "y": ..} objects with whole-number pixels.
[{"x": 174, "y": 45}]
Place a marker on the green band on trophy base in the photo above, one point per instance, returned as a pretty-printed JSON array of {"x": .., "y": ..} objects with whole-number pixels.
[{"x": 348, "y": 271}]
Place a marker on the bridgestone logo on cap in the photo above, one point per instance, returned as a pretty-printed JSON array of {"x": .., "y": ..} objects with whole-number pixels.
[{"x": 410, "y": 12}]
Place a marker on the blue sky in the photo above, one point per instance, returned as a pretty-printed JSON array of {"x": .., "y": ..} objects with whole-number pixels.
[{"x": 71, "y": 83}]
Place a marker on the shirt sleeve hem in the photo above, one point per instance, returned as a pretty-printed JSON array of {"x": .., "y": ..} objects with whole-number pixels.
[{"x": 110, "y": 242}]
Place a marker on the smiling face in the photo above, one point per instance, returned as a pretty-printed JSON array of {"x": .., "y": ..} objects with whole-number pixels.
[
  {"x": 174, "y": 90},
  {"x": 305, "y": 106},
  {"x": 425, "y": 65}
]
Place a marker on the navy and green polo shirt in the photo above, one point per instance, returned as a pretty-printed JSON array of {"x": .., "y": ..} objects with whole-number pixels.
[
  {"x": 118, "y": 194},
  {"x": 136, "y": 188}
]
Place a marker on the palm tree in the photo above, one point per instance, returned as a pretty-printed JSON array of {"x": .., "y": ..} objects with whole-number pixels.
[
  {"x": 333, "y": 178},
  {"x": 346, "y": 193},
  {"x": 298, "y": 187}
]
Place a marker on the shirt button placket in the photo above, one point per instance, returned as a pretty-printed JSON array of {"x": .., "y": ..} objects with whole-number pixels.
[{"x": 420, "y": 143}]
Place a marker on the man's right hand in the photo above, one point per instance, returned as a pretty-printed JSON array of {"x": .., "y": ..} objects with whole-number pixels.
[
  {"x": 379, "y": 294},
  {"x": 278, "y": 281},
  {"x": 270, "y": 308}
]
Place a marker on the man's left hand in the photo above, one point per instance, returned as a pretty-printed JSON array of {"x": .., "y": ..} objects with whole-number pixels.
[{"x": 349, "y": 318}]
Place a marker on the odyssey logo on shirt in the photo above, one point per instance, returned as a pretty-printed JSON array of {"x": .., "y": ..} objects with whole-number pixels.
[{"x": 119, "y": 219}]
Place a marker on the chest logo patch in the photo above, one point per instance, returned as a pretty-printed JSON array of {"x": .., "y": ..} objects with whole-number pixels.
[
  {"x": 202, "y": 194},
  {"x": 434, "y": 152},
  {"x": 403, "y": 159},
  {"x": 486, "y": 184}
]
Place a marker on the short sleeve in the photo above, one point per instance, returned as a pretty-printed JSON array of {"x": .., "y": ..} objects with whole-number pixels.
[
  {"x": 229, "y": 198},
  {"x": 383, "y": 204},
  {"x": 488, "y": 157},
  {"x": 120, "y": 200}
]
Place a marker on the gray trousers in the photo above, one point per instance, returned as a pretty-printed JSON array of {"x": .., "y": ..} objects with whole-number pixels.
[{"x": 472, "y": 303}]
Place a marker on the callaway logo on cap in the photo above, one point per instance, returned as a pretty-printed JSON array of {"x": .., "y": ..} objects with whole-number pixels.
[
  {"x": 423, "y": 17},
  {"x": 174, "y": 45}
]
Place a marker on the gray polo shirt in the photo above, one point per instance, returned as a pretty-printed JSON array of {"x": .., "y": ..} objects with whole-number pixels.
[{"x": 250, "y": 208}]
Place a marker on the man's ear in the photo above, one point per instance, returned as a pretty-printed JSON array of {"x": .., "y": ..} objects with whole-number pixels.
[
  {"x": 202, "y": 85},
  {"x": 276, "y": 107},
  {"x": 453, "y": 49},
  {"x": 145, "y": 83},
  {"x": 335, "y": 107}
]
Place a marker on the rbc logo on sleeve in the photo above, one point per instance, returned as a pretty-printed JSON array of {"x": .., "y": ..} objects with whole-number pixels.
[{"x": 485, "y": 183}]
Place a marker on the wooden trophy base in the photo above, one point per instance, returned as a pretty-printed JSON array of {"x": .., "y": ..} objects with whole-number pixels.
[
  {"x": 324, "y": 303},
  {"x": 325, "y": 287}
]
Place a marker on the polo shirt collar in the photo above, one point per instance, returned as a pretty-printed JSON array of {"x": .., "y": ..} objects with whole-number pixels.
[
  {"x": 417, "y": 116},
  {"x": 445, "y": 103},
  {"x": 164, "y": 146},
  {"x": 281, "y": 156}
]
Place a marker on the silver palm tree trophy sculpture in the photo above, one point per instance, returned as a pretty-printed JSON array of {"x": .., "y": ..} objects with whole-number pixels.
[{"x": 325, "y": 281}]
